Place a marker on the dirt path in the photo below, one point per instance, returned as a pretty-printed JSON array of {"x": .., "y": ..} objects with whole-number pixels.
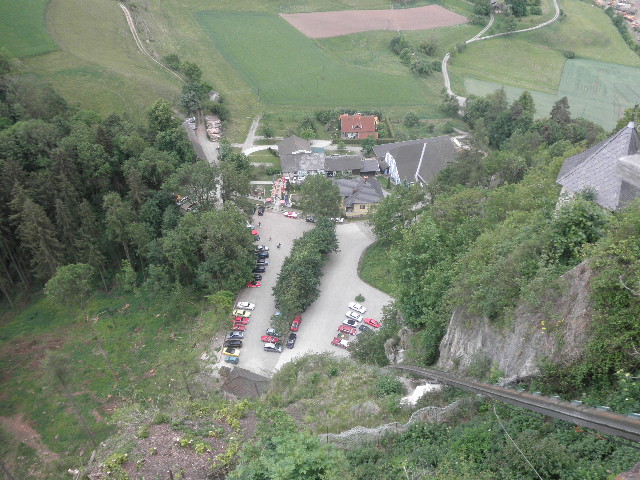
[
  {"x": 24, "y": 433},
  {"x": 134, "y": 32}
]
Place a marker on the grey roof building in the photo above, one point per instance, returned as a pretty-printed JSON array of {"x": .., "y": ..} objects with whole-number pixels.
[
  {"x": 359, "y": 191},
  {"x": 302, "y": 163},
  {"x": 294, "y": 144},
  {"x": 611, "y": 168},
  {"x": 342, "y": 163},
  {"x": 417, "y": 160}
]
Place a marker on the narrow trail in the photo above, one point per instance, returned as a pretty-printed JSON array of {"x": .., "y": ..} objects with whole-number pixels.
[
  {"x": 478, "y": 37},
  {"x": 134, "y": 32}
]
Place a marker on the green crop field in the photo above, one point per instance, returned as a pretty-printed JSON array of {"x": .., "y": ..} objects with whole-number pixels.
[
  {"x": 22, "y": 27},
  {"x": 597, "y": 91},
  {"x": 286, "y": 68}
]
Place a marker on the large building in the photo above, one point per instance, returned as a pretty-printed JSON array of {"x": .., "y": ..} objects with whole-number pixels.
[
  {"x": 359, "y": 195},
  {"x": 611, "y": 169},
  {"x": 417, "y": 161}
]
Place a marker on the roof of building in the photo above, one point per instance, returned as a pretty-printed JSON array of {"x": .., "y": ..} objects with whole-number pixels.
[
  {"x": 340, "y": 163},
  {"x": 419, "y": 159},
  {"x": 599, "y": 168},
  {"x": 293, "y": 144},
  {"x": 302, "y": 161},
  {"x": 358, "y": 123},
  {"x": 361, "y": 190},
  {"x": 370, "y": 165},
  {"x": 243, "y": 383}
]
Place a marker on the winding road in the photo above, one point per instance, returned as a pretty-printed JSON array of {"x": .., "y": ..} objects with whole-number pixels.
[{"x": 478, "y": 37}]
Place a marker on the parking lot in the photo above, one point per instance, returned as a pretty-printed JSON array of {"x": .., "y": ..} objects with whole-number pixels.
[{"x": 340, "y": 285}]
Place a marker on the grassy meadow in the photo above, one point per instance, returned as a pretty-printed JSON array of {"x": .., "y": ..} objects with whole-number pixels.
[{"x": 23, "y": 28}]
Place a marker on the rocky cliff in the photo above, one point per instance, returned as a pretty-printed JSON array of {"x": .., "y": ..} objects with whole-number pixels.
[{"x": 556, "y": 329}]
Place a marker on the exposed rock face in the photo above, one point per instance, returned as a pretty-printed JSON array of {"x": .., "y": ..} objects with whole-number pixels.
[
  {"x": 557, "y": 331},
  {"x": 395, "y": 348}
]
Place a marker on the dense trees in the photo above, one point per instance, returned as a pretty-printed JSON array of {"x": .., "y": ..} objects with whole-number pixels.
[{"x": 78, "y": 188}]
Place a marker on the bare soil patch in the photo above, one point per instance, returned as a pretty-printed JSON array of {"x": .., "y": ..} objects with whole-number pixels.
[
  {"x": 333, "y": 24},
  {"x": 23, "y": 432}
]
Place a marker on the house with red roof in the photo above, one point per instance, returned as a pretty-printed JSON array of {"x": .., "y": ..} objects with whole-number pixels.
[{"x": 358, "y": 127}]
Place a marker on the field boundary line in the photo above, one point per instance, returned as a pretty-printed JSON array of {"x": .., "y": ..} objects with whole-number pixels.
[
  {"x": 477, "y": 38},
  {"x": 134, "y": 32}
]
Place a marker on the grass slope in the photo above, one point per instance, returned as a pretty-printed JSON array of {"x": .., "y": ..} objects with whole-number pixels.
[
  {"x": 22, "y": 27},
  {"x": 98, "y": 65},
  {"x": 286, "y": 68}
]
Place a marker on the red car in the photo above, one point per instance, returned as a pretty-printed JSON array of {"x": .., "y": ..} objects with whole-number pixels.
[
  {"x": 295, "y": 325},
  {"x": 269, "y": 339},
  {"x": 241, "y": 320},
  {"x": 238, "y": 327},
  {"x": 347, "y": 330},
  {"x": 339, "y": 342},
  {"x": 254, "y": 232},
  {"x": 372, "y": 322},
  {"x": 254, "y": 284},
  {"x": 298, "y": 318}
]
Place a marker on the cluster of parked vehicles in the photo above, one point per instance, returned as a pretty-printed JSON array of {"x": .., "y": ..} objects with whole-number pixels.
[{"x": 354, "y": 323}]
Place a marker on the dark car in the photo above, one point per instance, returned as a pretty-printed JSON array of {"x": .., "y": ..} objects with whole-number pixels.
[
  {"x": 234, "y": 335},
  {"x": 292, "y": 340},
  {"x": 233, "y": 343},
  {"x": 260, "y": 211},
  {"x": 310, "y": 219},
  {"x": 259, "y": 269},
  {"x": 262, "y": 254},
  {"x": 364, "y": 328},
  {"x": 262, "y": 261},
  {"x": 257, "y": 276}
]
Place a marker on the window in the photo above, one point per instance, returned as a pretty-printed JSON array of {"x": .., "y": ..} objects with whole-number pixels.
[{"x": 363, "y": 207}]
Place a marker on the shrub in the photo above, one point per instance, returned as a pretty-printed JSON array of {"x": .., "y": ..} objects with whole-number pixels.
[
  {"x": 388, "y": 385},
  {"x": 567, "y": 53},
  {"x": 359, "y": 298},
  {"x": 411, "y": 119}
]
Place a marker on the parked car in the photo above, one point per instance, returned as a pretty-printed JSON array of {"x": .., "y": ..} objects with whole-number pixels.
[
  {"x": 272, "y": 347},
  {"x": 261, "y": 210},
  {"x": 353, "y": 316},
  {"x": 350, "y": 323},
  {"x": 250, "y": 226},
  {"x": 241, "y": 320},
  {"x": 295, "y": 326},
  {"x": 262, "y": 248},
  {"x": 259, "y": 269},
  {"x": 357, "y": 307},
  {"x": 337, "y": 220},
  {"x": 233, "y": 335},
  {"x": 269, "y": 339},
  {"x": 272, "y": 332},
  {"x": 262, "y": 261},
  {"x": 234, "y": 360},
  {"x": 238, "y": 327},
  {"x": 257, "y": 276},
  {"x": 340, "y": 342},
  {"x": 347, "y": 329},
  {"x": 291, "y": 214},
  {"x": 310, "y": 219},
  {"x": 254, "y": 232},
  {"x": 232, "y": 352},
  {"x": 292, "y": 340},
  {"x": 254, "y": 284},
  {"x": 238, "y": 312},
  {"x": 365, "y": 328},
  {"x": 246, "y": 305},
  {"x": 233, "y": 343},
  {"x": 262, "y": 254},
  {"x": 372, "y": 322}
]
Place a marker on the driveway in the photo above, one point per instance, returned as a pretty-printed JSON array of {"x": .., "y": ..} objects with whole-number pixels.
[{"x": 340, "y": 285}]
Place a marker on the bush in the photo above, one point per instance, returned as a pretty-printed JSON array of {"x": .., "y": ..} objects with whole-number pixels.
[
  {"x": 411, "y": 119},
  {"x": 536, "y": 11},
  {"x": 359, "y": 298},
  {"x": 398, "y": 44},
  {"x": 567, "y": 53},
  {"x": 388, "y": 385}
]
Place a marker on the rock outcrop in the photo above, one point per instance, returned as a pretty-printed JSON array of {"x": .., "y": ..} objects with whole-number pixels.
[{"x": 556, "y": 330}]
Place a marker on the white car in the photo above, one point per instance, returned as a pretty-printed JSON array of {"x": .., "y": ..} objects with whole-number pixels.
[
  {"x": 272, "y": 347},
  {"x": 349, "y": 323},
  {"x": 353, "y": 316},
  {"x": 263, "y": 248},
  {"x": 246, "y": 305},
  {"x": 357, "y": 307},
  {"x": 337, "y": 220},
  {"x": 291, "y": 214}
]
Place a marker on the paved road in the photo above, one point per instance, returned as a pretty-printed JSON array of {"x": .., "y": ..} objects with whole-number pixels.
[{"x": 340, "y": 285}]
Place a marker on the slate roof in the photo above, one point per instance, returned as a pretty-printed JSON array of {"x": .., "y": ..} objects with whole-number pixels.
[
  {"x": 419, "y": 159},
  {"x": 243, "y": 383},
  {"x": 360, "y": 190},
  {"x": 291, "y": 163},
  {"x": 358, "y": 123},
  {"x": 370, "y": 165},
  {"x": 598, "y": 168},
  {"x": 293, "y": 144},
  {"x": 340, "y": 163}
]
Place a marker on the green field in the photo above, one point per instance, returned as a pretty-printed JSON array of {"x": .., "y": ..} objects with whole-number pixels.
[
  {"x": 22, "y": 27},
  {"x": 286, "y": 68},
  {"x": 597, "y": 91}
]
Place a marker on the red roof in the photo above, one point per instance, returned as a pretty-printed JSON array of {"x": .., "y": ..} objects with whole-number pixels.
[{"x": 363, "y": 125}]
